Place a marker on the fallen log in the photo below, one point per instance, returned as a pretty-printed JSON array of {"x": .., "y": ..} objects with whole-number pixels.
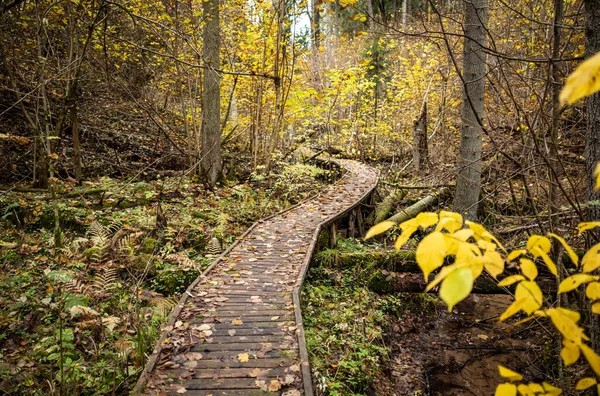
[
  {"x": 382, "y": 211},
  {"x": 420, "y": 206}
]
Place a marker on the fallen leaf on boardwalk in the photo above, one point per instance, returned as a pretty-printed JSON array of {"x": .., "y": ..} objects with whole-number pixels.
[
  {"x": 252, "y": 259},
  {"x": 191, "y": 364},
  {"x": 192, "y": 356},
  {"x": 274, "y": 317},
  {"x": 202, "y": 327},
  {"x": 231, "y": 332},
  {"x": 236, "y": 322},
  {"x": 293, "y": 392},
  {"x": 181, "y": 390},
  {"x": 243, "y": 357},
  {"x": 288, "y": 379},
  {"x": 221, "y": 299},
  {"x": 257, "y": 372},
  {"x": 274, "y": 386},
  {"x": 295, "y": 368},
  {"x": 261, "y": 384}
]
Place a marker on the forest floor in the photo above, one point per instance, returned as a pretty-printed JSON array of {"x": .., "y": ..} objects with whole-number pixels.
[{"x": 81, "y": 305}]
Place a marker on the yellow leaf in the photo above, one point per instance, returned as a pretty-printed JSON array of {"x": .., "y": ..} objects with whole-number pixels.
[
  {"x": 236, "y": 322},
  {"x": 431, "y": 252},
  {"x": 525, "y": 390},
  {"x": 513, "y": 308},
  {"x": 379, "y": 228},
  {"x": 445, "y": 271},
  {"x": 449, "y": 221},
  {"x": 570, "y": 352},
  {"x": 597, "y": 174},
  {"x": 568, "y": 248},
  {"x": 515, "y": 253},
  {"x": 509, "y": 374},
  {"x": 456, "y": 287},
  {"x": 566, "y": 325},
  {"x": 551, "y": 390},
  {"x": 463, "y": 235},
  {"x": 549, "y": 263},
  {"x": 531, "y": 292},
  {"x": 509, "y": 280},
  {"x": 590, "y": 225},
  {"x": 592, "y": 358},
  {"x": 596, "y": 308},
  {"x": 574, "y": 281},
  {"x": 243, "y": 357},
  {"x": 591, "y": 259},
  {"x": 506, "y": 389},
  {"x": 592, "y": 291},
  {"x": 426, "y": 219},
  {"x": 584, "y": 81},
  {"x": 537, "y": 244},
  {"x": 529, "y": 269},
  {"x": 585, "y": 383},
  {"x": 404, "y": 237},
  {"x": 537, "y": 388},
  {"x": 493, "y": 263}
]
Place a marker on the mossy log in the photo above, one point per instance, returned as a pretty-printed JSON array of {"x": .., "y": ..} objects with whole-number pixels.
[
  {"x": 398, "y": 271},
  {"x": 420, "y": 206},
  {"x": 383, "y": 210}
]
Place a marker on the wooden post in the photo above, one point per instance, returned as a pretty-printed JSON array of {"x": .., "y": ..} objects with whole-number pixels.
[
  {"x": 359, "y": 222},
  {"x": 333, "y": 235},
  {"x": 352, "y": 224}
]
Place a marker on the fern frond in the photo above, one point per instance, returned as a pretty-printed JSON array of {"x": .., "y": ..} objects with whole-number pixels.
[
  {"x": 75, "y": 286},
  {"x": 106, "y": 279},
  {"x": 99, "y": 234},
  {"x": 182, "y": 260}
]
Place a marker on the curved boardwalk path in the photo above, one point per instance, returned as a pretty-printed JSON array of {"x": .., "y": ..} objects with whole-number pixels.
[{"x": 238, "y": 329}]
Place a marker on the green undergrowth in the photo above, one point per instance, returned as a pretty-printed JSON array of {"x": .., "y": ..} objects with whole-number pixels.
[
  {"x": 81, "y": 306},
  {"x": 346, "y": 321}
]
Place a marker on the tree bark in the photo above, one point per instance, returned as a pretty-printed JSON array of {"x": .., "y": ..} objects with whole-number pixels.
[
  {"x": 211, "y": 121},
  {"x": 420, "y": 149},
  {"x": 468, "y": 181},
  {"x": 76, "y": 145},
  {"x": 422, "y": 205}
]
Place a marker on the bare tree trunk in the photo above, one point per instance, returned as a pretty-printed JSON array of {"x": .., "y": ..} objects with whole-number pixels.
[
  {"x": 468, "y": 181},
  {"x": 553, "y": 157},
  {"x": 76, "y": 144},
  {"x": 211, "y": 121},
  {"x": 592, "y": 143},
  {"x": 404, "y": 14},
  {"x": 420, "y": 149}
]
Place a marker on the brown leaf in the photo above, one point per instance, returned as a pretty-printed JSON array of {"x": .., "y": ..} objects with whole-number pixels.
[{"x": 274, "y": 386}]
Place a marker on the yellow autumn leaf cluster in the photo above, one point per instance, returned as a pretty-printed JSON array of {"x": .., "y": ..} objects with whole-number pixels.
[
  {"x": 584, "y": 81},
  {"x": 460, "y": 251}
]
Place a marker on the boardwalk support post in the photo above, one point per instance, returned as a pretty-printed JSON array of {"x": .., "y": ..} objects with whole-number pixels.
[{"x": 333, "y": 235}]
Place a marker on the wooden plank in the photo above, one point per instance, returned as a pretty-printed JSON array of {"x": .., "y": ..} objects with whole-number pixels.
[{"x": 243, "y": 346}]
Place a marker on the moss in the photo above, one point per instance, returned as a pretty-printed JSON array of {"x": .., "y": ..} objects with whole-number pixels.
[
  {"x": 174, "y": 280},
  {"x": 149, "y": 245}
]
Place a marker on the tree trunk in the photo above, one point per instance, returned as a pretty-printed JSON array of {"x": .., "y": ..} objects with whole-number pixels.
[
  {"x": 404, "y": 14},
  {"x": 211, "y": 122},
  {"x": 592, "y": 143},
  {"x": 468, "y": 182},
  {"x": 420, "y": 149},
  {"x": 554, "y": 170},
  {"x": 592, "y": 149},
  {"x": 76, "y": 144}
]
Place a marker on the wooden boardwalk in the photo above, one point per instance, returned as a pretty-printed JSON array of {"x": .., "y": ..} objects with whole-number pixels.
[{"x": 238, "y": 329}]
